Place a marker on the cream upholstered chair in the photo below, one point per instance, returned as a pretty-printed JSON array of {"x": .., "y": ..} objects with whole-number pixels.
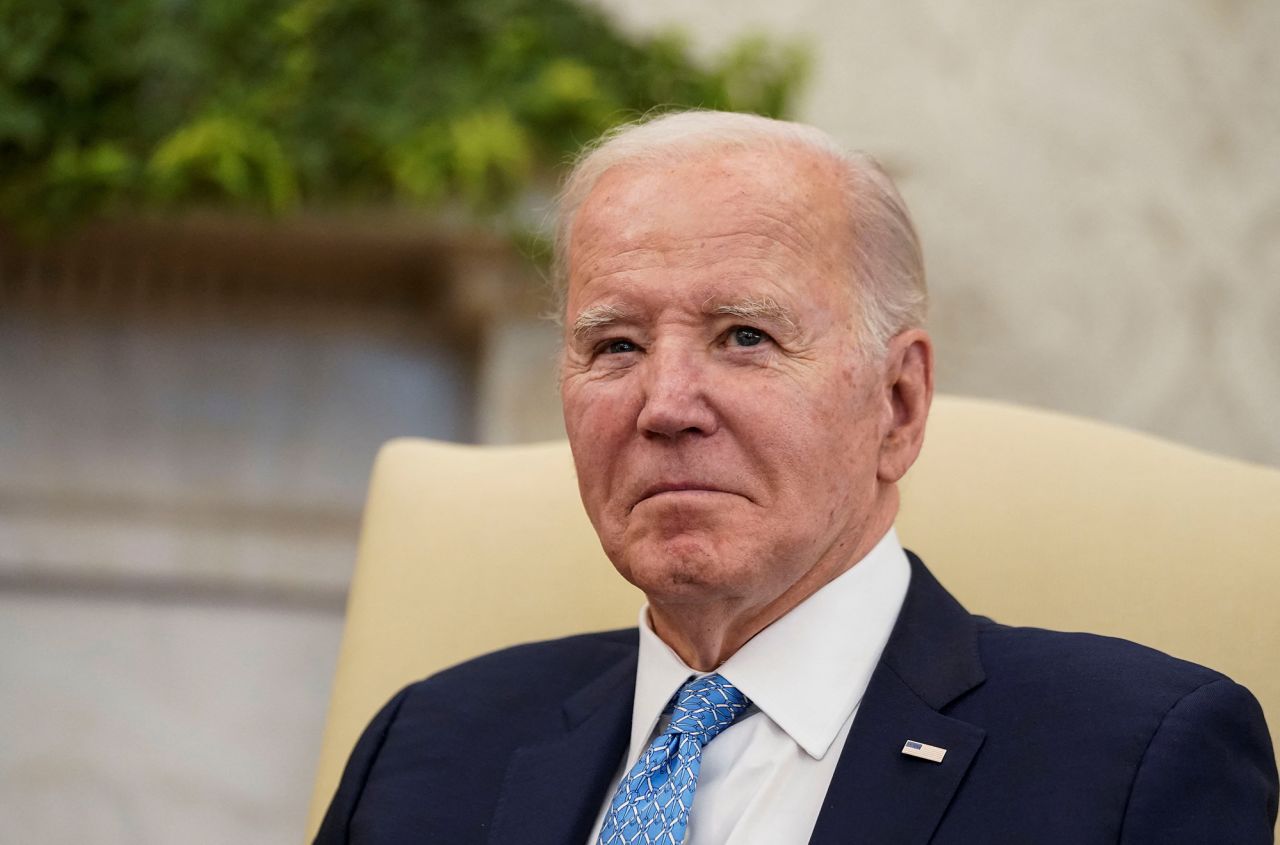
[{"x": 1030, "y": 517}]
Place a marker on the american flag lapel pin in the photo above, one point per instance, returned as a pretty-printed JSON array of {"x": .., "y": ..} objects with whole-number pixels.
[{"x": 925, "y": 752}]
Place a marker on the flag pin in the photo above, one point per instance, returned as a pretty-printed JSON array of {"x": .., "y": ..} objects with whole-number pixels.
[{"x": 925, "y": 752}]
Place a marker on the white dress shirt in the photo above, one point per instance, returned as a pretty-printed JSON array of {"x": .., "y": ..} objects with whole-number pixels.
[{"x": 764, "y": 778}]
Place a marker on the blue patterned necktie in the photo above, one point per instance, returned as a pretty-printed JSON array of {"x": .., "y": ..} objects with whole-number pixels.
[{"x": 652, "y": 803}]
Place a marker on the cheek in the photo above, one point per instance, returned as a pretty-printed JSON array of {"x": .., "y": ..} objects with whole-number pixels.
[
  {"x": 596, "y": 421},
  {"x": 807, "y": 423},
  {"x": 826, "y": 446}
]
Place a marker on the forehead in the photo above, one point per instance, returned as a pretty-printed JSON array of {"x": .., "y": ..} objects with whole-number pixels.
[{"x": 778, "y": 211}]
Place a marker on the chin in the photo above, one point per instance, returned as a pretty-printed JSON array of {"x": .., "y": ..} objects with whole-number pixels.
[{"x": 683, "y": 567}]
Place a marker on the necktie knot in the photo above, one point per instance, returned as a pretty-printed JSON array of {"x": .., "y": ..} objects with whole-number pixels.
[
  {"x": 652, "y": 803},
  {"x": 705, "y": 706}
]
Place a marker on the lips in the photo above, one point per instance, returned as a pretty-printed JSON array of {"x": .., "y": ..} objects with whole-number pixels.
[{"x": 661, "y": 487}]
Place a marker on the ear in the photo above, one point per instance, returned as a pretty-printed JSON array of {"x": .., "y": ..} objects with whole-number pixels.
[{"x": 908, "y": 369}]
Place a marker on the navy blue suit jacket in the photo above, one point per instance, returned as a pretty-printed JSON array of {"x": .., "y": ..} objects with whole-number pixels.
[{"x": 1050, "y": 738}]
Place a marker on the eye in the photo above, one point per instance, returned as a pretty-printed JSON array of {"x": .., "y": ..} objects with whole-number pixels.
[
  {"x": 618, "y": 346},
  {"x": 746, "y": 336}
]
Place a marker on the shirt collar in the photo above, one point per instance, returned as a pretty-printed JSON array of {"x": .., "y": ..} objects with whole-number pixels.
[{"x": 808, "y": 670}]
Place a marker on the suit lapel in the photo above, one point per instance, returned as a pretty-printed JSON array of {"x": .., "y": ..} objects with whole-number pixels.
[
  {"x": 878, "y": 794},
  {"x": 554, "y": 789}
]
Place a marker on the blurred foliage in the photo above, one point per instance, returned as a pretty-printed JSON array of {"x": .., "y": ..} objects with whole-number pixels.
[{"x": 276, "y": 104}]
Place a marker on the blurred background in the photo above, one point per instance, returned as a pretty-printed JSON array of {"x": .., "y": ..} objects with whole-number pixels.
[{"x": 243, "y": 243}]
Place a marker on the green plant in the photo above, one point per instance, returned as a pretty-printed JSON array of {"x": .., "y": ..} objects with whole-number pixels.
[{"x": 280, "y": 104}]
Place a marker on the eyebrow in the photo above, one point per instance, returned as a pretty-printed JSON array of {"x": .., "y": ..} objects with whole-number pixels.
[
  {"x": 763, "y": 310},
  {"x": 592, "y": 319},
  {"x": 758, "y": 310}
]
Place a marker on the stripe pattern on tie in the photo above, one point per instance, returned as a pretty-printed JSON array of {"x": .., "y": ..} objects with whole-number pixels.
[{"x": 651, "y": 806}]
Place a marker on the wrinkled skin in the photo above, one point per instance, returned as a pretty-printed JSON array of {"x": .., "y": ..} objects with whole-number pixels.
[{"x": 735, "y": 448}]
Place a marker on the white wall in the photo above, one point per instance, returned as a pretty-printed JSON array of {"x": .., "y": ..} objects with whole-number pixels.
[
  {"x": 128, "y": 721},
  {"x": 179, "y": 507}
]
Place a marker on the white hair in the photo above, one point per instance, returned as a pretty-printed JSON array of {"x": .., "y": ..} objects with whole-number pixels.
[{"x": 886, "y": 265}]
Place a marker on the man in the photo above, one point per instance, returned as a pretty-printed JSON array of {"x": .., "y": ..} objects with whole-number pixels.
[{"x": 745, "y": 378}]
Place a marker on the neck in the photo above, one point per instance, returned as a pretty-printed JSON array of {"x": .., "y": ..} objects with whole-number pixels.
[{"x": 706, "y": 634}]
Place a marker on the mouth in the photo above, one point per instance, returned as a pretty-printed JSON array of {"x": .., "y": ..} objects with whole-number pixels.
[{"x": 679, "y": 488}]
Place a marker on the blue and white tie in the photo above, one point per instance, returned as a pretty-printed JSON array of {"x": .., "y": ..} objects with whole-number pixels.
[{"x": 651, "y": 806}]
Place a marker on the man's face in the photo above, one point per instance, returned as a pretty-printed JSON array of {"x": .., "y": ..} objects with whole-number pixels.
[{"x": 726, "y": 429}]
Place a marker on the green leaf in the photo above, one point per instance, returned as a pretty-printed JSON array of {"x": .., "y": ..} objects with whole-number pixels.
[
  {"x": 491, "y": 155},
  {"x": 277, "y": 104},
  {"x": 222, "y": 155}
]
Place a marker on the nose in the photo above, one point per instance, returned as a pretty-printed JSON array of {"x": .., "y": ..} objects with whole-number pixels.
[{"x": 676, "y": 403}]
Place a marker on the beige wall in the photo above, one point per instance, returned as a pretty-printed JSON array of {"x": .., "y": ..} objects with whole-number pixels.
[{"x": 1097, "y": 185}]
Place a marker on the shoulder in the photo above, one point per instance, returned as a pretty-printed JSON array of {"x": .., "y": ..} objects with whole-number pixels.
[
  {"x": 549, "y": 670},
  {"x": 1110, "y": 685},
  {"x": 434, "y": 757},
  {"x": 1085, "y": 664},
  {"x": 1083, "y": 694},
  {"x": 1160, "y": 748}
]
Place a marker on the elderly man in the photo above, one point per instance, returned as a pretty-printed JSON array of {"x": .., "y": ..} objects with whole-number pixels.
[{"x": 745, "y": 378}]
